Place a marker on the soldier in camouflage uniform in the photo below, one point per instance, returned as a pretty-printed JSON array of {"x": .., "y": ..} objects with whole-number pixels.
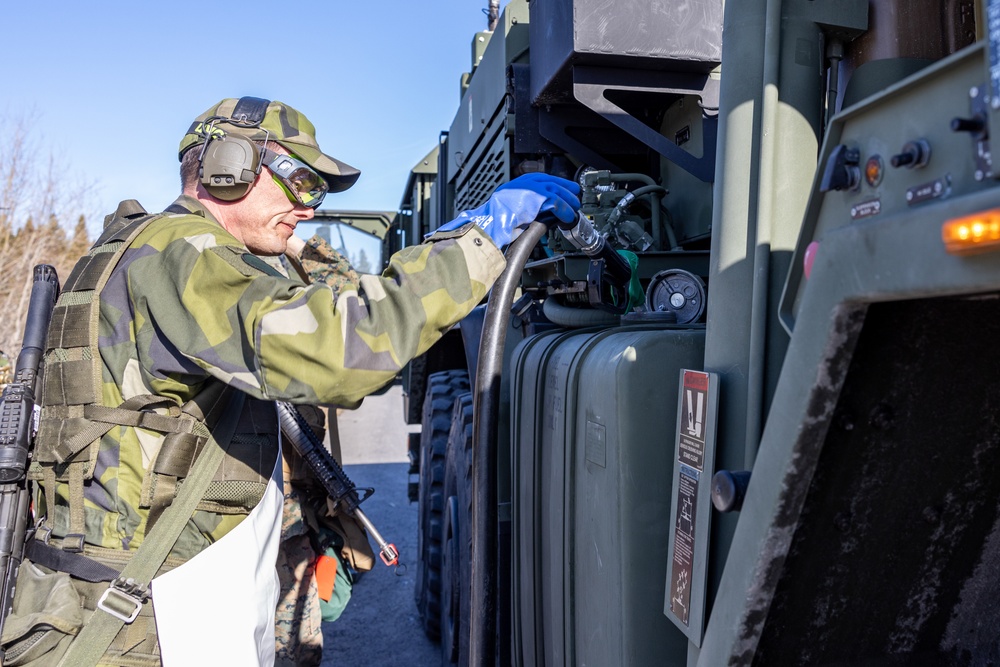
[
  {"x": 307, "y": 525},
  {"x": 169, "y": 342}
]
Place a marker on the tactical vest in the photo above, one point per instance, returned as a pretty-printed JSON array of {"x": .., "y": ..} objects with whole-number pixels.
[{"x": 74, "y": 422}]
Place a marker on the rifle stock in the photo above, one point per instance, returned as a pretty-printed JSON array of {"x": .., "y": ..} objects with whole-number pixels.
[
  {"x": 333, "y": 478},
  {"x": 17, "y": 434}
]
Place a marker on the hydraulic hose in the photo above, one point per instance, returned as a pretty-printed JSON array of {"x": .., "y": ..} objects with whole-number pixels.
[
  {"x": 486, "y": 409},
  {"x": 575, "y": 318},
  {"x": 654, "y": 192}
]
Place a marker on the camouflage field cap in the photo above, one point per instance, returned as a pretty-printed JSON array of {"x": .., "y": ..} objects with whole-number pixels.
[{"x": 258, "y": 119}]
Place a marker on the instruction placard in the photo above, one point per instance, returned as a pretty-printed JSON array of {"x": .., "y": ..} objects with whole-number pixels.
[
  {"x": 683, "y": 556},
  {"x": 684, "y": 597}
]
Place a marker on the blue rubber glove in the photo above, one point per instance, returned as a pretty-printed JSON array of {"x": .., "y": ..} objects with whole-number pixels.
[{"x": 517, "y": 204}]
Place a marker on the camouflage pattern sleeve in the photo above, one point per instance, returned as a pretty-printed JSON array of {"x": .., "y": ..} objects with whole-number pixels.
[
  {"x": 298, "y": 618},
  {"x": 323, "y": 264},
  {"x": 202, "y": 305}
]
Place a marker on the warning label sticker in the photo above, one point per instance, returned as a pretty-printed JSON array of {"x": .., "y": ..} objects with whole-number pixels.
[
  {"x": 694, "y": 408},
  {"x": 683, "y": 556},
  {"x": 684, "y": 593}
]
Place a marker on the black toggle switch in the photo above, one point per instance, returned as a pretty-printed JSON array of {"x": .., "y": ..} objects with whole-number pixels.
[
  {"x": 842, "y": 171},
  {"x": 729, "y": 488},
  {"x": 915, "y": 154},
  {"x": 903, "y": 160},
  {"x": 975, "y": 126}
]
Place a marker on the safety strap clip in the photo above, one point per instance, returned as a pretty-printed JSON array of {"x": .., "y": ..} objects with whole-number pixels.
[{"x": 123, "y": 599}]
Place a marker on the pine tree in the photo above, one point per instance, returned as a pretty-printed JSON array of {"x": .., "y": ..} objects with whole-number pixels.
[{"x": 363, "y": 264}]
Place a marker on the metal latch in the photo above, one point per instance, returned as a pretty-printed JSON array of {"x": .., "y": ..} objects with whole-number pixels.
[{"x": 123, "y": 599}]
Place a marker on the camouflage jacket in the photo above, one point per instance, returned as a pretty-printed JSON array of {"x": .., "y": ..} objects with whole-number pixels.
[{"x": 188, "y": 303}]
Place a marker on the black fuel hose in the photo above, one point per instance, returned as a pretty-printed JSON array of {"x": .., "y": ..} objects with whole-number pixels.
[
  {"x": 486, "y": 415},
  {"x": 486, "y": 409}
]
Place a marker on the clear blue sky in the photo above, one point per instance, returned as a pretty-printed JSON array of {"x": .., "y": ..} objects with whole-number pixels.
[{"x": 110, "y": 87}]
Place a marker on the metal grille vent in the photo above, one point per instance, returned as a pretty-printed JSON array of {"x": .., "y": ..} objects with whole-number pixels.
[{"x": 476, "y": 184}]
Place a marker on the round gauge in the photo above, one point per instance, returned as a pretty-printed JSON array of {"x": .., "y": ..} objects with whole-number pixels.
[{"x": 582, "y": 171}]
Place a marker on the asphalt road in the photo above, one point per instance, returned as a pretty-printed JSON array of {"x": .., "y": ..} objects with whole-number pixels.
[{"x": 380, "y": 624}]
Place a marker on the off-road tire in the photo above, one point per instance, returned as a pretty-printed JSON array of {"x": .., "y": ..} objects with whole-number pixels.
[
  {"x": 442, "y": 390},
  {"x": 456, "y": 568}
]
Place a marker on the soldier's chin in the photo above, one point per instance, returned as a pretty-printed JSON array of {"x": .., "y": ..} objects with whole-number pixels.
[{"x": 275, "y": 246}]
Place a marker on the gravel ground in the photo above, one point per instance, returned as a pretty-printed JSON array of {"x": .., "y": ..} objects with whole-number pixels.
[{"x": 380, "y": 624}]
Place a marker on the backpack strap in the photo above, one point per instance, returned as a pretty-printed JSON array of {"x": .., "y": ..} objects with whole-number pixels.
[
  {"x": 72, "y": 418},
  {"x": 121, "y": 602},
  {"x": 72, "y": 388}
]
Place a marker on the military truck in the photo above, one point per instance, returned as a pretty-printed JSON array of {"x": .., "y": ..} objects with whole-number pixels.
[
  {"x": 784, "y": 450},
  {"x": 357, "y": 235}
]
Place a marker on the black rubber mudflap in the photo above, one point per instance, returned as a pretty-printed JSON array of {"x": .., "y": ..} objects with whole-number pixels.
[{"x": 896, "y": 557}]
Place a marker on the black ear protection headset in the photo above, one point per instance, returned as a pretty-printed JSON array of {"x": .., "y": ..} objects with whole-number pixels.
[{"x": 229, "y": 163}]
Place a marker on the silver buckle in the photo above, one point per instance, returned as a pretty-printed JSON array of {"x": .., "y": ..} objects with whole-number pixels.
[{"x": 125, "y": 590}]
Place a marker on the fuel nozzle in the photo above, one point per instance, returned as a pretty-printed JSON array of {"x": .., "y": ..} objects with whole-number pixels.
[
  {"x": 582, "y": 234},
  {"x": 610, "y": 273}
]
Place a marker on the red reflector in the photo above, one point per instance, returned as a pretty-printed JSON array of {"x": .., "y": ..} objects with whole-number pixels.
[{"x": 809, "y": 257}]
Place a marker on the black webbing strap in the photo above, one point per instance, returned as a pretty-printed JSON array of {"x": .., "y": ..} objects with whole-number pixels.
[{"x": 77, "y": 565}]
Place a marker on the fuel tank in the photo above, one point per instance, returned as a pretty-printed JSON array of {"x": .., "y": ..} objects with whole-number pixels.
[{"x": 592, "y": 448}]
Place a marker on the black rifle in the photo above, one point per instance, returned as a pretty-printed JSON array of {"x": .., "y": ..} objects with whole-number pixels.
[
  {"x": 17, "y": 434},
  {"x": 333, "y": 478}
]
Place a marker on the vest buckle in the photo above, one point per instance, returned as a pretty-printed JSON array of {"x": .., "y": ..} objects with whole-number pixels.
[{"x": 123, "y": 599}]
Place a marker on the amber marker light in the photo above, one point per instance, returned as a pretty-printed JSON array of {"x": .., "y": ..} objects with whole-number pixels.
[
  {"x": 873, "y": 171},
  {"x": 972, "y": 234}
]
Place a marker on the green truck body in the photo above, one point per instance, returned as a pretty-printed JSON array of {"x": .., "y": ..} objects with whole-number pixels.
[{"x": 786, "y": 455}]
